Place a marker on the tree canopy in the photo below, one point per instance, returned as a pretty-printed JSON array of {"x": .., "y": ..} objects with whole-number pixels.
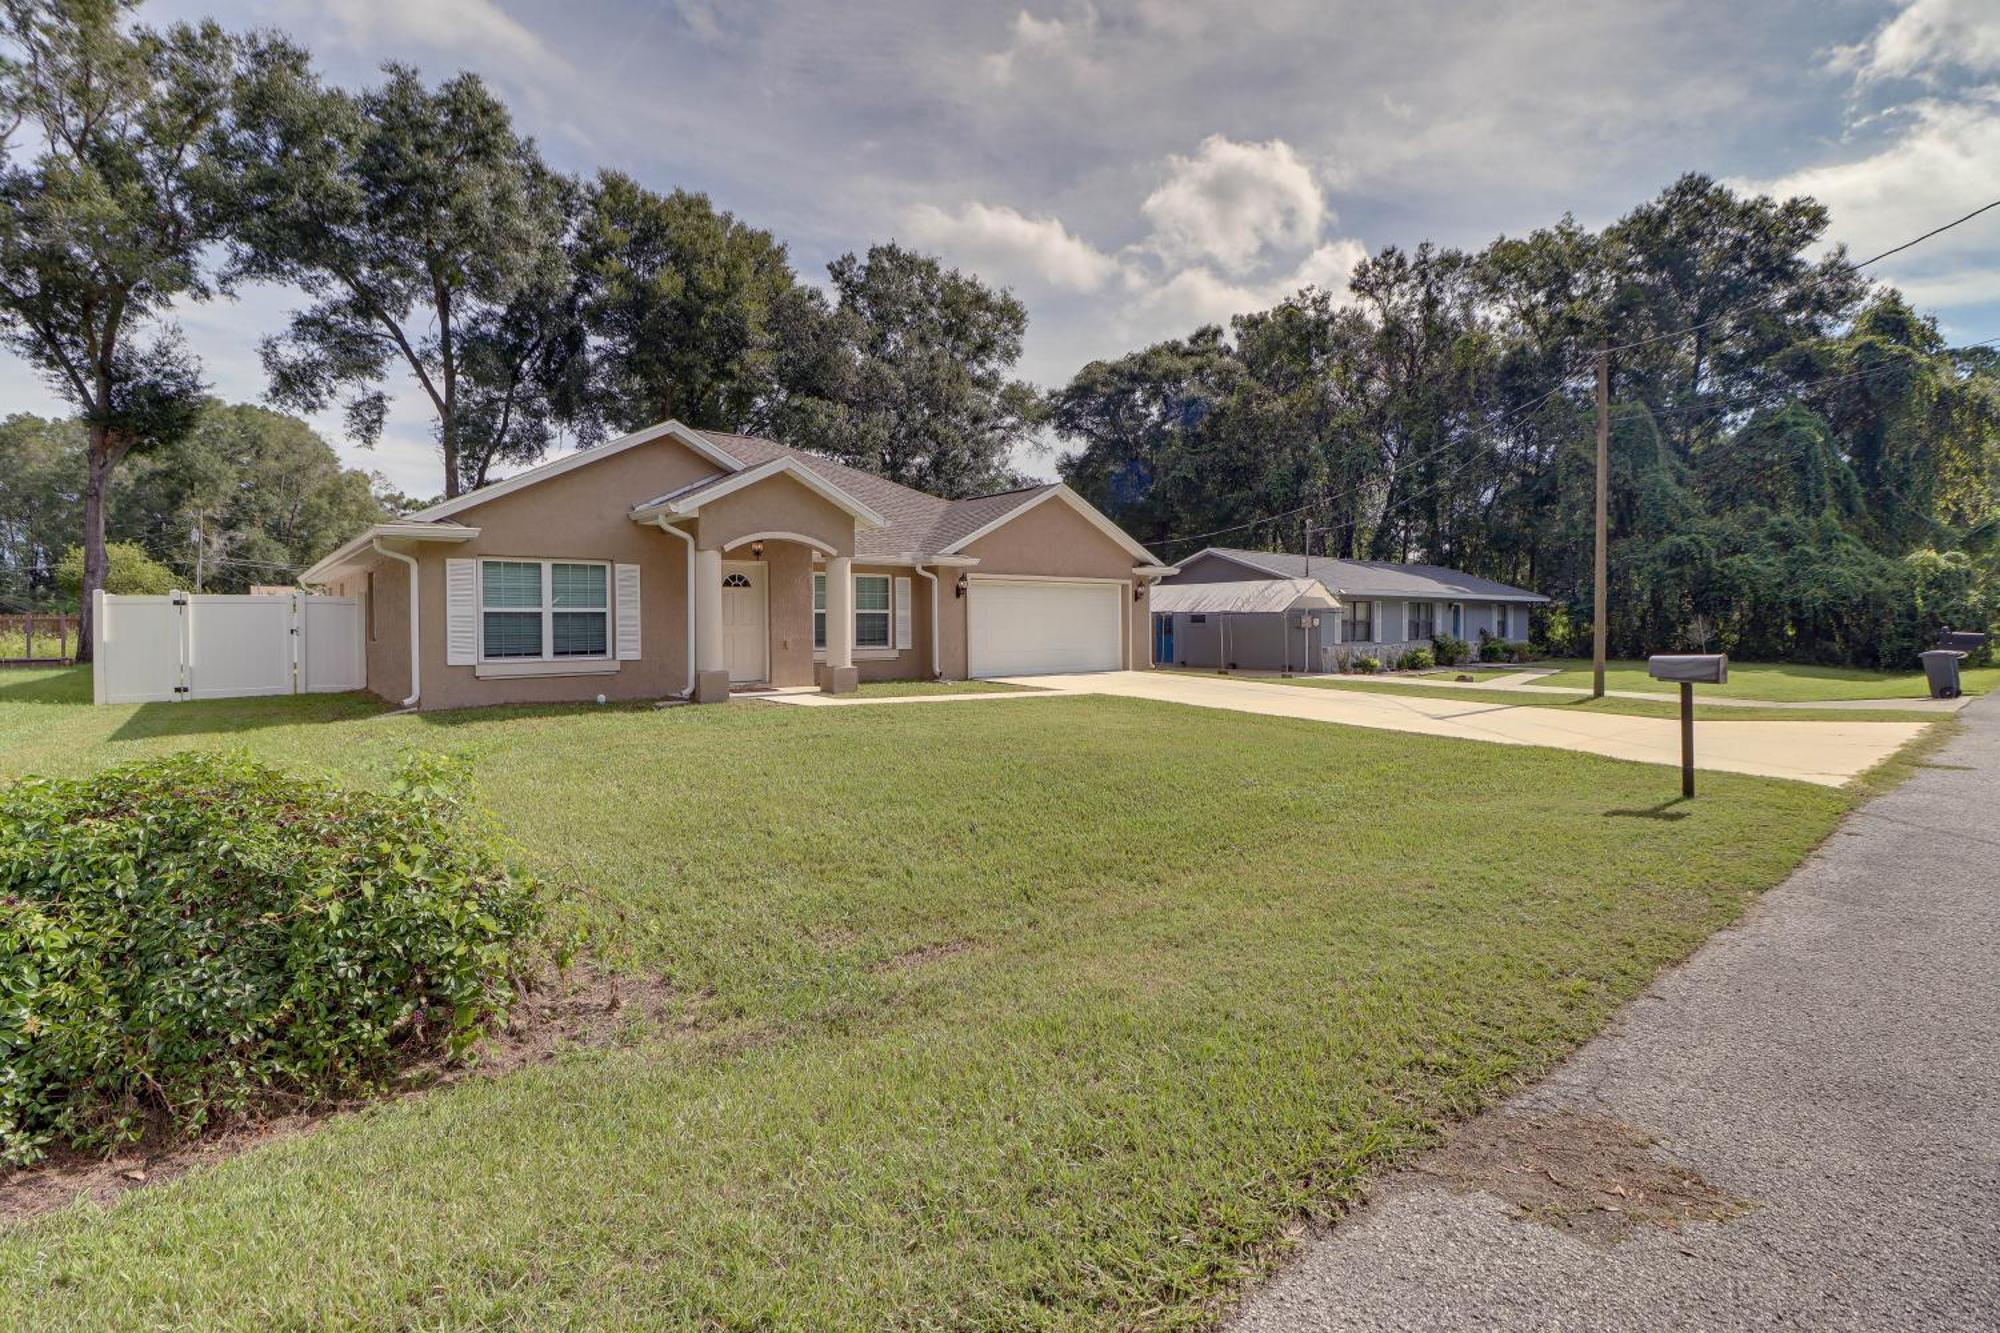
[
  {"x": 108, "y": 196},
  {"x": 906, "y": 373},
  {"x": 1800, "y": 463}
]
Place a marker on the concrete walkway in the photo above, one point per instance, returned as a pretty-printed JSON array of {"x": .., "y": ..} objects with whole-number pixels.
[
  {"x": 1832, "y": 1061},
  {"x": 1525, "y": 682},
  {"x": 1829, "y": 753}
]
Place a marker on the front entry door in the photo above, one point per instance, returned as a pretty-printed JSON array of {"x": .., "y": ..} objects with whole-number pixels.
[{"x": 746, "y": 621}]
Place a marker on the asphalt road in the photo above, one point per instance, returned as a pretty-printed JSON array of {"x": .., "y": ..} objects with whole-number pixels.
[{"x": 1834, "y": 1058}]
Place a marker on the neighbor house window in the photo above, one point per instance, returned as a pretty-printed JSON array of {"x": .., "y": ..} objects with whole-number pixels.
[
  {"x": 1360, "y": 627},
  {"x": 544, "y": 609},
  {"x": 1500, "y": 621},
  {"x": 1423, "y": 620},
  {"x": 871, "y": 611}
]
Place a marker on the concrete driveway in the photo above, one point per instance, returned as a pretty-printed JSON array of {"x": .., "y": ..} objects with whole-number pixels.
[
  {"x": 1820, "y": 1082},
  {"x": 1828, "y": 753}
]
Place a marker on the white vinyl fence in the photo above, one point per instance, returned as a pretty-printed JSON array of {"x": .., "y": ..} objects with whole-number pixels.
[{"x": 222, "y": 646}]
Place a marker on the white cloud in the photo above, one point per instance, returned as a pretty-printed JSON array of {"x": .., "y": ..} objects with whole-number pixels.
[
  {"x": 476, "y": 29},
  {"x": 1927, "y": 36},
  {"x": 1002, "y": 243},
  {"x": 1234, "y": 203},
  {"x": 1198, "y": 295},
  {"x": 1939, "y": 167},
  {"x": 1045, "y": 42}
]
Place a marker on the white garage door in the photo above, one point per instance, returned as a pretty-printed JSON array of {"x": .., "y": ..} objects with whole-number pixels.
[{"x": 1033, "y": 628}]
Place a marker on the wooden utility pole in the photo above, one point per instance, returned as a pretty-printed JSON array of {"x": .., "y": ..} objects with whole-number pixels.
[{"x": 1598, "y": 628}]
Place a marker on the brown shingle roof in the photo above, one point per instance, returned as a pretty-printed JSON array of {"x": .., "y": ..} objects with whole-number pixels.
[{"x": 918, "y": 524}]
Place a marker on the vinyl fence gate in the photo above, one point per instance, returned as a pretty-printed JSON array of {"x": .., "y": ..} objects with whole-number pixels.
[{"x": 224, "y": 646}]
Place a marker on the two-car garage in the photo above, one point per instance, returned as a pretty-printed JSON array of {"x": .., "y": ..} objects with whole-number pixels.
[{"x": 1028, "y": 627}]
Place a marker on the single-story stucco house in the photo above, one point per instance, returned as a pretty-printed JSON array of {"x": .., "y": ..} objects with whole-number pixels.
[
  {"x": 1271, "y": 610},
  {"x": 674, "y": 561}
]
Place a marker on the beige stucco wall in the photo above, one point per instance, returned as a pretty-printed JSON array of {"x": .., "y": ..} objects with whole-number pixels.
[
  {"x": 1055, "y": 540},
  {"x": 776, "y": 504},
  {"x": 583, "y": 515}
]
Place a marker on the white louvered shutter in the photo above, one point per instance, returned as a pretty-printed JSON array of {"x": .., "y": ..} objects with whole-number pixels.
[
  {"x": 628, "y": 612},
  {"x": 461, "y": 612},
  {"x": 904, "y": 636}
]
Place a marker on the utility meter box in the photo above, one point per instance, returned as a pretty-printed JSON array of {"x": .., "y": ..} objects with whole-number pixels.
[{"x": 1690, "y": 668}]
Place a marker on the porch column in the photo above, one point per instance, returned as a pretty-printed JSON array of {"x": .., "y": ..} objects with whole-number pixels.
[
  {"x": 841, "y": 677},
  {"x": 711, "y": 663}
]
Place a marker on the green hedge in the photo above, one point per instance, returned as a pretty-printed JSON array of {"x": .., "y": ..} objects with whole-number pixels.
[{"x": 195, "y": 937}]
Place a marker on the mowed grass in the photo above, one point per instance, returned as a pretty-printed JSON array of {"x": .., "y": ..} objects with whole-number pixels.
[
  {"x": 1583, "y": 703},
  {"x": 900, "y": 689},
  {"x": 1040, "y": 1014},
  {"x": 1780, "y": 682}
]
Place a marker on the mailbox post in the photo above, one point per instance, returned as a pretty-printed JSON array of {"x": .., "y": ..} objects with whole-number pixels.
[{"x": 1689, "y": 670}]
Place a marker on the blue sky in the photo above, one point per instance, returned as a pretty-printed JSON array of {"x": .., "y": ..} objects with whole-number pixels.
[{"x": 1134, "y": 169}]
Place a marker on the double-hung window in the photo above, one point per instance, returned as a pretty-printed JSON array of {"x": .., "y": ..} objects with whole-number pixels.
[
  {"x": 1500, "y": 619},
  {"x": 1423, "y": 620},
  {"x": 1360, "y": 627},
  {"x": 871, "y": 611},
  {"x": 544, "y": 610}
]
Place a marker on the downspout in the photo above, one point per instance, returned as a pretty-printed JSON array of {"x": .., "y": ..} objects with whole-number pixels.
[
  {"x": 416, "y": 623},
  {"x": 687, "y": 692},
  {"x": 937, "y": 664}
]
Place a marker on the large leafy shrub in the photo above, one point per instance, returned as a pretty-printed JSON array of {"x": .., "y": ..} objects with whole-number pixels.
[
  {"x": 1416, "y": 659},
  {"x": 1367, "y": 666},
  {"x": 1450, "y": 650},
  {"x": 190, "y": 938}
]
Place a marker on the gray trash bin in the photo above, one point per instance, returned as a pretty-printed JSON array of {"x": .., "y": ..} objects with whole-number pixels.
[{"x": 1941, "y": 670}]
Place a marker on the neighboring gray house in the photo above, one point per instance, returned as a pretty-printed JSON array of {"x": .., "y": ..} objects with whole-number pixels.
[{"x": 1381, "y": 609}]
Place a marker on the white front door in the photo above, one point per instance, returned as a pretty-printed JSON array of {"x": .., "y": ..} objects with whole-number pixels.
[{"x": 746, "y": 621}]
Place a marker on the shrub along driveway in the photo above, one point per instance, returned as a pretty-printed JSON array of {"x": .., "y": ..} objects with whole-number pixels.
[
  {"x": 1028, "y": 1013},
  {"x": 1830, "y": 753}
]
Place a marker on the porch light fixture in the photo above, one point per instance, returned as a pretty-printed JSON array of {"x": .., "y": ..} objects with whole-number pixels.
[
  {"x": 756, "y": 550},
  {"x": 958, "y": 588}
]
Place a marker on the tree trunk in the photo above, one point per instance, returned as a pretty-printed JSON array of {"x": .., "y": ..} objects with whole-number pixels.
[
  {"x": 448, "y": 438},
  {"x": 96, "y": 484}
]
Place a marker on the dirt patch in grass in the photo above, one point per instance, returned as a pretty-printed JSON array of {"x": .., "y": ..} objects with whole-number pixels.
[
  {"x": 1592, "y": 1175},
  {"x": 930, "y": 953},
  {"x": 581, "y": 1009}
]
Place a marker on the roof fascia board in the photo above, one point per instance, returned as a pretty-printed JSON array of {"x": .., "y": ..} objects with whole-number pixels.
[
  {"x": 1236, "y": 559},
  {"x": 674, "y": 430},
  {"x": 1060, "y": 491},
  {"x": 791, "y": 467},
  {"x": 401, "y": 530}
]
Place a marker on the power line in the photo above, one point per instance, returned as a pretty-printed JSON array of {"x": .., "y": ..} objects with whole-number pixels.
[
  {"x": 1325, "y": 500},
  {"x": 1577, "y": 370},
  {"x": 1851, "y": 268}
]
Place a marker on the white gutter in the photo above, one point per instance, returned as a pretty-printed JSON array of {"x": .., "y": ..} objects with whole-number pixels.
[
  {"x": 416, "y": 625},
  {"x": 661, "y": 521},
  {"x": 937, "y": 664}
]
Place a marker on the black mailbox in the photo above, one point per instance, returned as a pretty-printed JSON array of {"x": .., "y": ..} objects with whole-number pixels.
[
  {"x": 1690, "y": 668},
  {"x": 1961, "y": 641}
]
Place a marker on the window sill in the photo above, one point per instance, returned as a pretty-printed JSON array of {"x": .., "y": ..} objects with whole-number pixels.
[
  {"x": 866, "y": 654},
  {"x": 581, "y": 666}
]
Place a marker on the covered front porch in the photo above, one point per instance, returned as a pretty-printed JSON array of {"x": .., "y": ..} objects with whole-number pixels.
[{"x": 775, "y": 594}]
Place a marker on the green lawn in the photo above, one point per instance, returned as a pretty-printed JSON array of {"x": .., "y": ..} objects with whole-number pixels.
[
  {"x": 896, "y": 689},
  {"x": 1781, "y": 682},
  {"x": 1208, "y": 970},
  {"x": 1663, "y": 708}
]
